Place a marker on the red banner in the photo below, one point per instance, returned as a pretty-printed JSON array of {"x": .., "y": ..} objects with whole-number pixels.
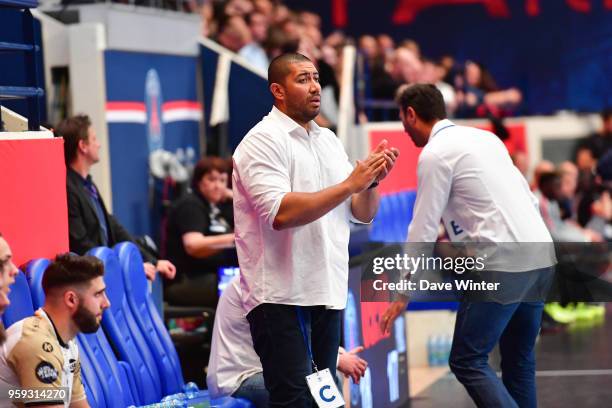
[{"x": 33, "y": 210}]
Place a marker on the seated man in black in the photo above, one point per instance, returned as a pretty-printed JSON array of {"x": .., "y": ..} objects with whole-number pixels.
[
  {"x": 89, "y": 224},
  {"x": 200, "y": 235}
]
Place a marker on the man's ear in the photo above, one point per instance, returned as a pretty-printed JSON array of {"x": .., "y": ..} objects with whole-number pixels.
[
  {"x": 277, "y": 91},
  {"x": 411, "y": 114},
  {"x": 71, "y": 299},
  {"x": 82, "y": 145}
]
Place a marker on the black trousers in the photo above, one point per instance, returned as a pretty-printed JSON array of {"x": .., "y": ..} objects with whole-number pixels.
[{"x": 280, "y": 345}]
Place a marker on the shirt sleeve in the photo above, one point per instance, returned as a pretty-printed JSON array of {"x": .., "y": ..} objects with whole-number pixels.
[
  {"x": 261, "y": 174},
  {"x": 433, "y": 190},
  {"x": 37, "y": 365},
  {"x": 191, "y": 218}
]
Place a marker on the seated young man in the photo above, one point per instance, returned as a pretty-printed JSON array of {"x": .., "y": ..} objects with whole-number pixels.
[
  {"x": 234, "y": 368},
  {"x": 41, "y": 351}
]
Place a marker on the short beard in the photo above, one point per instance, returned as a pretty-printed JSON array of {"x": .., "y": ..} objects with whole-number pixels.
[
  {"x": 2, "y": 334},
  {"x": 85, "y": 320}
]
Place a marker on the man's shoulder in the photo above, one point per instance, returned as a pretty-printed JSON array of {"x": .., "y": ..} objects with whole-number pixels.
[{"x": 31, "y": 336}]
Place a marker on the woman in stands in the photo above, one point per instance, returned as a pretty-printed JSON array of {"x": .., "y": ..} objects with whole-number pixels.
[{"x": 200, "y": 235}]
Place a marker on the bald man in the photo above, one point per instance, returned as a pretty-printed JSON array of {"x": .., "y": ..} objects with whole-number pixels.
[{"x": 294, "y": 195}]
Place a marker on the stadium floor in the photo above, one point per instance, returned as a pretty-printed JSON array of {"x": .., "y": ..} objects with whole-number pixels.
[{"x": 574, "y": 370}]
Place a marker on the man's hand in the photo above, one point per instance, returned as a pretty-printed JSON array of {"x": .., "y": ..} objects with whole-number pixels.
[
  {"x": 392, "y": 312},
  {"x": 166, "y": 268},
  {"x": 365, "y": 172},
  {"x": 390, "y": 156},
  {"x": 150, "y": 271},
  {"x": 351, "y": 365}
]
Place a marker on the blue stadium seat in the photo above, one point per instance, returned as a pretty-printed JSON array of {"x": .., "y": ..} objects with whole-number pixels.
[
  {"x": 34, "y": 272},
  {"x": 114, "y": 380},
  {"x": 123, "y": 332},
  {"x": 393, "y": 217},
  {"x": 93, "y": 387},
  {"x": 149, "y": 321},
  {"x": 21, "y": 301}
]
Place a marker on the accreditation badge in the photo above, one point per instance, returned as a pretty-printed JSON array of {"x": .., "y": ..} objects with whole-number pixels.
[{"x": 324, "y": 390}]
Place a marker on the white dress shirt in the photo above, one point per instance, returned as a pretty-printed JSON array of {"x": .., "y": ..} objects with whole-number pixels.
[
  {"x": 232, "y": 356},
  {"x": 305, "y": 265},
  {"x": 467, "y": 179}
]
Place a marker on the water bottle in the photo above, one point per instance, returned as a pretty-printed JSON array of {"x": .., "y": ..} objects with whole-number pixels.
[
  {"x": 191, "y": 390},
  {"x": 430, "y": 351}
]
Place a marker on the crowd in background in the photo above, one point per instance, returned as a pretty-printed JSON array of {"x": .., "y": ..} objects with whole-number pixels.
[{"x": 260, "y": 30}]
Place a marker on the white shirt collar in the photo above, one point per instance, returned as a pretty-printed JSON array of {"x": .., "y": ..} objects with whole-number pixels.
[
  {"x": 289, "y": 125},
  {"x": 444, "y": 123}
]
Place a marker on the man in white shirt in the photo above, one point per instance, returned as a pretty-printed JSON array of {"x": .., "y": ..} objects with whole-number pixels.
[
  {"x": 467, "y": 179},
  {"x": 234, "y": 368},
  {"x": 294, "y": 194}
]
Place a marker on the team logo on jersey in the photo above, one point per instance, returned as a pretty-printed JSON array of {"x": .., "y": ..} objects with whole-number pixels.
[
  {"x": 46, "y": 373},
  {"x": 48, "y": 347},
  {"x": 72, "y": 365}
]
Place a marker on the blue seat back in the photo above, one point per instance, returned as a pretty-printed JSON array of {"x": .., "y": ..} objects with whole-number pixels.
[
  {"x": 123, "y": 332},
  {"x": 21, "y": 301},
  {"x": 393, "y": 217},
  {"x": 149, "y": 321},
  {"x": 106, "y": 369},
  {"x": 93, "y": 387},
  {"x": 34, "y": 272}
]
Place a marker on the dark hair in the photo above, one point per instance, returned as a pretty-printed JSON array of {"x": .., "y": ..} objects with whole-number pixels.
[
  {"x": 606, "y": 114},
  {"x": 205, "y": 166},
  {"x": 425, "y": 99},
  {"x": 71, "y": 270},
  {"x": 73, "y": 130},
  {"x": 548, "y": 178},
  {"x": 279, "y": 67}
]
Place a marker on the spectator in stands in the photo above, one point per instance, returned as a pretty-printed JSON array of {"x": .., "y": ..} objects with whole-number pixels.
[
  {"x": 595, "y": 206},
  {"x": 8, "y": 271},
  {"x": 480, "y": 94},
  {"x": 200, "y": 235},
  {"x": 549, "y": 194},
  {"x": 254, "y": 51},
  {"x": 405, "y": 68},
  {"x": 41, "y": 351},
  {"x": 596, "y": 145},
  {"x": 569, "y": 183},
  {"x": 433, "y": 73},
  {"x": 234, "y": 368},
  {"x": 89, "y": 223},
  {"x": 233, "y": 33},
  {"x": 545, "y": 166}
]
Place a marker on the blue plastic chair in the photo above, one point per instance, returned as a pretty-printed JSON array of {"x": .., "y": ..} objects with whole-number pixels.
[
  {"x": 34, "y": 273},
  {"x": 149, "y": 321},
  {"x": 21, "y": 301},
  {"x": 123, "y": 332},
  {"x": 93, "y": 388}
]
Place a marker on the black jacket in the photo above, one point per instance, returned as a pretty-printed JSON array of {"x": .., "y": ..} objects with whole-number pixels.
[{"x": 83, "y": 224}]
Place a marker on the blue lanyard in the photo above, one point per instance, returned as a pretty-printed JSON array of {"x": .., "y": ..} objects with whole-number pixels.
[
  {"x": 439, "y": 130},
  {"x": 303, "y": 329}
]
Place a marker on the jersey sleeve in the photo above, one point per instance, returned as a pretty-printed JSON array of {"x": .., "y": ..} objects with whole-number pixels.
[{"x": 37, "y": 364}]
